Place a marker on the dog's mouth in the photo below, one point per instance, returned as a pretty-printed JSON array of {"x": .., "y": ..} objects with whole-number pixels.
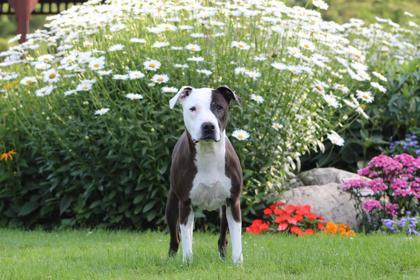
[{"x": 205, "y": 139}]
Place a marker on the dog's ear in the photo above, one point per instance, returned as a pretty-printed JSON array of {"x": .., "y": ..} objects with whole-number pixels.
[
  {"x": 182, "y": 93},
  {"x": 228, "y": 94}
]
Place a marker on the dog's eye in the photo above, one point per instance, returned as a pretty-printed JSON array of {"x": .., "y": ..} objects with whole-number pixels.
[
  {"x": 218, "y": 107},
  {"x": 192, "y": 109}
]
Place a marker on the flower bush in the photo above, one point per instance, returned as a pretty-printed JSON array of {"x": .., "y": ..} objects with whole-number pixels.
[
  {"x": 393, "y": 190},
  {"x": 294, "y": 219},
  {"x": 84, "y": 101}
]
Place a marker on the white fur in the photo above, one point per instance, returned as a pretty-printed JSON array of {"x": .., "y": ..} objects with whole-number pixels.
[
  {"x": 199, "y": 98},
  {"x": 235, "y": 230},
  {"x": 211, "y": 187},
  {"x": 187, "y": 238}
]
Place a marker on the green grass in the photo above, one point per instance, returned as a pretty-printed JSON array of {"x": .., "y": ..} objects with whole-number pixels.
[{"x": 130, "y": 255}]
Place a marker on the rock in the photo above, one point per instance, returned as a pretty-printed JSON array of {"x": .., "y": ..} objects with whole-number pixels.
[
  {"x": 322, "y": 176},
  {"x": 327, "y": 200}
]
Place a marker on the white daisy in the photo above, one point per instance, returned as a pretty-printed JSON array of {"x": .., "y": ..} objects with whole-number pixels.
[
  {"x": 134, "y": 96},
  {"x": 97, "y": 63},
  {"x": 102, "y": 111},
  {"x": 138, "y": 40},
  {"x": 44, "y": 91},
  {"x": 116, "y": 47},
  {"x": 160, "y": 78},
  {"x": 159, "y": 45},
  {"x": 335, "y": 138},
  {"x": 378, "y": 86},
  {"x": 253, "y": 74},
  {"x": 151, "y": 65},
  {"x": 85, "y": 85},
  {"x": 195, "y": 59},
  {"x": 204, "y": 71},
  {"x": 181, "y": 66},
  {"x": 51, "y": 76},
  {"x": 120, "y": 77},
  {"x": 240, "y": 134},
  {"x": 104, "y": 72},
  {"x": 70, "y": 92},
  {"x": 365, "y": 96},
  {"x": 169, "y": 89},
  {"x": 240, "y": 45},
  {"x": 319, "y": 87},
  {"x": 320, "y": 4},
  {"x": 379, "y": 76},
  {"x": 277, "y": 126},
  {"x": 307, "y": 45},
  {"x": 28, "y": 81},
  {"x": 260, "y": 57},
  {"x": 133, "y": 75},
  {"x": 257, "y": 98},
  {"x": 331, "y": 100},
  {"x": 193, "y": 47}
]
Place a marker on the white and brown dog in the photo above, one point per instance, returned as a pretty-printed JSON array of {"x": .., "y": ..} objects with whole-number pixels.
[{"x": 205, "y": 170}]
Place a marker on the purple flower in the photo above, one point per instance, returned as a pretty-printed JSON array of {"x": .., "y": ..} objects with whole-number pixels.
[
  {"x": 389, "y": 224},
  {"x": 371, "y": 204}
]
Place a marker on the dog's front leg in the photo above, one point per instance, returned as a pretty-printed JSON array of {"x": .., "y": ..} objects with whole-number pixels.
[
  {"x": 187, "y": 228},
  {"x": 233, "y": 215}
]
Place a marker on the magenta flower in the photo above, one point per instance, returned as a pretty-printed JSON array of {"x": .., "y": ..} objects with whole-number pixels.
[
  {"x": 354, "y": 184},
  {"x": 377, "y": 185},
  {"x": 391, "y": 209},
  {"x": 371, "y": 204},
  {"x": 386, "y": 163}
]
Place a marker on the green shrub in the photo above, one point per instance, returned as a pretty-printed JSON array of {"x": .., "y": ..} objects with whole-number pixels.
[{"x": 87, "y": 155}]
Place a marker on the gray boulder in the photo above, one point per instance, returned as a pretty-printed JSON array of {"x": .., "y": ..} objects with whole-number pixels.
[
  {"x": 321, "y": 188},
  {"x": 322, "y": 176},
  {"x": 327, "y": 200}
]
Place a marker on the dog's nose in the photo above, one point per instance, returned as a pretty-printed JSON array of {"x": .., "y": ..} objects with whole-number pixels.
[{"x": 207, "y": 127}]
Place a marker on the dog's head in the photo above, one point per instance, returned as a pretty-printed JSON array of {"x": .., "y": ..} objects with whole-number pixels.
[{"x": 206, "y": 111}]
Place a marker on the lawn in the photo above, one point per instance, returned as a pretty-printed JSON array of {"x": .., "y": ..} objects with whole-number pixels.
[{"x": 131, "y": 255}]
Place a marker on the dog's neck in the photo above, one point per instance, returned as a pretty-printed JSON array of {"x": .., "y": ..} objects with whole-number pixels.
[{"x": 211, "y": 154}]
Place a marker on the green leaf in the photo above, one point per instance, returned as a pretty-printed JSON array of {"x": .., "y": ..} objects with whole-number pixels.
[
  {"x": 28, "y": 208},
  {"x": 65, "y": 203}
]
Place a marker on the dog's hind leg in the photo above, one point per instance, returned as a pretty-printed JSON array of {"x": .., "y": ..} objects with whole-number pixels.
[
  {"x": 172, "y": 219},
  {"x": 223, "y": 229},
  {"x": 187, "y": 227}
]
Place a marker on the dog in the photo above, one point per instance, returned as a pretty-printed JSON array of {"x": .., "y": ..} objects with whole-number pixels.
[{"x": 205, "y": 171}]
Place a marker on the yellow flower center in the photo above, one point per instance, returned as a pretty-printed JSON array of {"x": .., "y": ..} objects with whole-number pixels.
[{"x": 52, "y": 76}]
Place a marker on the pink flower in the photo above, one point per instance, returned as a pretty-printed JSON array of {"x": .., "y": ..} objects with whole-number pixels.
[
  {"x": 354, "y": 184},
  {"x": 391, "y": 208},
  {"x": 371, "y": 204},
  {"x": 364, "y": 171},
  {"x": 401, "y": 187},
  {"x": 377, "y": 185},
  {"x": 387, "y": 164}
]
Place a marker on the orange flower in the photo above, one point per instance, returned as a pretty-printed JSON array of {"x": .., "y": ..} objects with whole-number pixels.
[
  {"x": 331, "y": 228},
  {"x": 7, "y": 155}
]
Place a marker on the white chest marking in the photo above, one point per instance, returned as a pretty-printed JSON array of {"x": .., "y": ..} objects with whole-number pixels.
[{"x": 211, "y": 187}]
